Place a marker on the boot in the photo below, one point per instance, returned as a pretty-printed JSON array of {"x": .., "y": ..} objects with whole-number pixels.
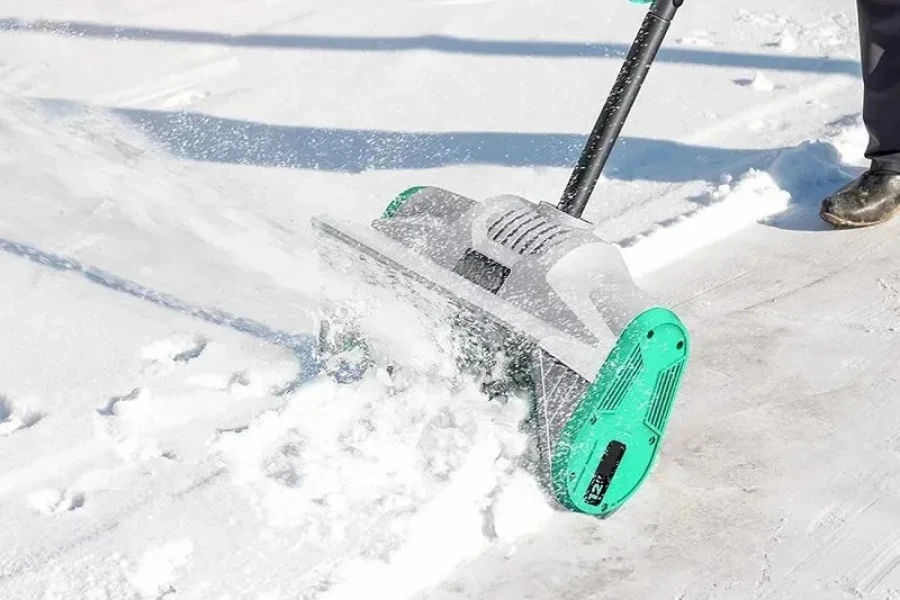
[{"x": 870, "y": 199}]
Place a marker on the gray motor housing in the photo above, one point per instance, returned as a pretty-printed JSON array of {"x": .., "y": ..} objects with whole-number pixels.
[{"x": 532, "y": 256}]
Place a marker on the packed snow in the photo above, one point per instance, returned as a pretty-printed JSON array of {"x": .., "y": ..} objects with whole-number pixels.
[{"x": 166, "y": 431}]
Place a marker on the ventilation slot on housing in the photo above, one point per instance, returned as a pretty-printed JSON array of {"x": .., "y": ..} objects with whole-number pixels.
[
  {"x": 535, "y": 234},
  {"x": 499, "y": 226},
  {"x": 554, "y": 239},
  {"x": 526, "y": 232},
  {"x": 623, "y": 381},
  {"x": 666, "y": 384}
]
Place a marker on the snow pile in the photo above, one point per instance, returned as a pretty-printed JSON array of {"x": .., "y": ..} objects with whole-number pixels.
[
  {"x": 398, "y": 477},
  {"x": 396, "y": 487},
  {"x": 762, "y": 83},
  {"x": 792, "y": 184},
  {"x": 732, "y": 206},
  {"x": 398, "y": 325},
  {"x": 810, "y": 171}
]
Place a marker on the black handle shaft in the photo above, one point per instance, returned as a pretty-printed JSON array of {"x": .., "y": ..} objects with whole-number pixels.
[{"x": 624, "y": 92}]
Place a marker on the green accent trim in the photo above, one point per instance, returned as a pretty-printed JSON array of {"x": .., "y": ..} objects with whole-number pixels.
[
  {"x": 397, "y": 202},
  {"x": 629, "y": 402}
]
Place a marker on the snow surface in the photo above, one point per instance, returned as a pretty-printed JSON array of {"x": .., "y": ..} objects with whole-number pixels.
[{"x": 162, "y": 430}]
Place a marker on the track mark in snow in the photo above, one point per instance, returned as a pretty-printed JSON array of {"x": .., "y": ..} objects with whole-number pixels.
[
  {"x": 159, "y": 568},
  {"x": 858, "y": 247},
  {"x": 843, "y": 530},
  {"x": 891, "y": 290},
  {"x": 838, "y": 515},
  {"x": 14, "y": 418},
  {"x": 800, "y": 286},
  {"x": 765, "y": 576},
  {"x": 713, "y": 286},
  {"x": 878, "y": 565}
]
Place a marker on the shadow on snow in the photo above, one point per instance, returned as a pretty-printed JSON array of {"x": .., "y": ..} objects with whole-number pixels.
[{"x": 433, "y": 43}]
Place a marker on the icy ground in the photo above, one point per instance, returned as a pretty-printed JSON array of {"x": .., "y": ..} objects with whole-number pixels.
[{"x": 162, "y": 430}]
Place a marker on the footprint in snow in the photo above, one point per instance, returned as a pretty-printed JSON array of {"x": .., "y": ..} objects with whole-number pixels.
[
  {"x": 54, "y": 502},
  {"x": 111, "y": 408},
  {"x": 121, "y": 422},
  {"x": 284, "y": 466},
  {"x": 223, "y": 383},
  {"x": 13, "y": 417},
  {"x": 176, "y": 349},
  {"x": 58, "y": 501}
]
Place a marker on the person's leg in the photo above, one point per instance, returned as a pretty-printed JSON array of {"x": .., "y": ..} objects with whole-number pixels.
[
  {"x": 879, "y": 33},
  {"x": 874, "y": 197}
]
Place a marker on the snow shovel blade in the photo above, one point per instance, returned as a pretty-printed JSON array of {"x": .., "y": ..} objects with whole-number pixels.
[{"x": 602, "y": 361}]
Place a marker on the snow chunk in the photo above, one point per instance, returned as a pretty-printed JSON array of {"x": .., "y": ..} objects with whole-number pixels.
[
  {"x": 762, "y": 83},
  {"x": 812, "y": 169},
  {"x": 758, "y": 82},
  {"x": 698, "y": 38},
  {"x": 519, "y": 509},
  {"x": 787, "y": 41},
  {"x": 159, "y": 567}
]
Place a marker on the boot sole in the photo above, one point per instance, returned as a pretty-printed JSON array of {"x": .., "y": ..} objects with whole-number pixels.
[{"x": 839, "y": 222}]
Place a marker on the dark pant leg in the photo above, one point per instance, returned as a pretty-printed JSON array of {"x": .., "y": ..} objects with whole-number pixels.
[{"x": 879, "y": 29}]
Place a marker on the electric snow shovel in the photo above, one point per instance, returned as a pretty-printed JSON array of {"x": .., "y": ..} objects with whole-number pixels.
[{"x": 604, "y": 361}]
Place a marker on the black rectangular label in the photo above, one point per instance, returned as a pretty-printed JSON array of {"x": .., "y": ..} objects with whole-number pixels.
[
  {"x": 604, "y": 473},
  {"x": 482, "y": 270}
]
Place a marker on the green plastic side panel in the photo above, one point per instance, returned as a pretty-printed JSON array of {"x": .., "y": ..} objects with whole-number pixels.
[
  {"x": 397, "y": 202},
  {"x": 628, "y": 404}
]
